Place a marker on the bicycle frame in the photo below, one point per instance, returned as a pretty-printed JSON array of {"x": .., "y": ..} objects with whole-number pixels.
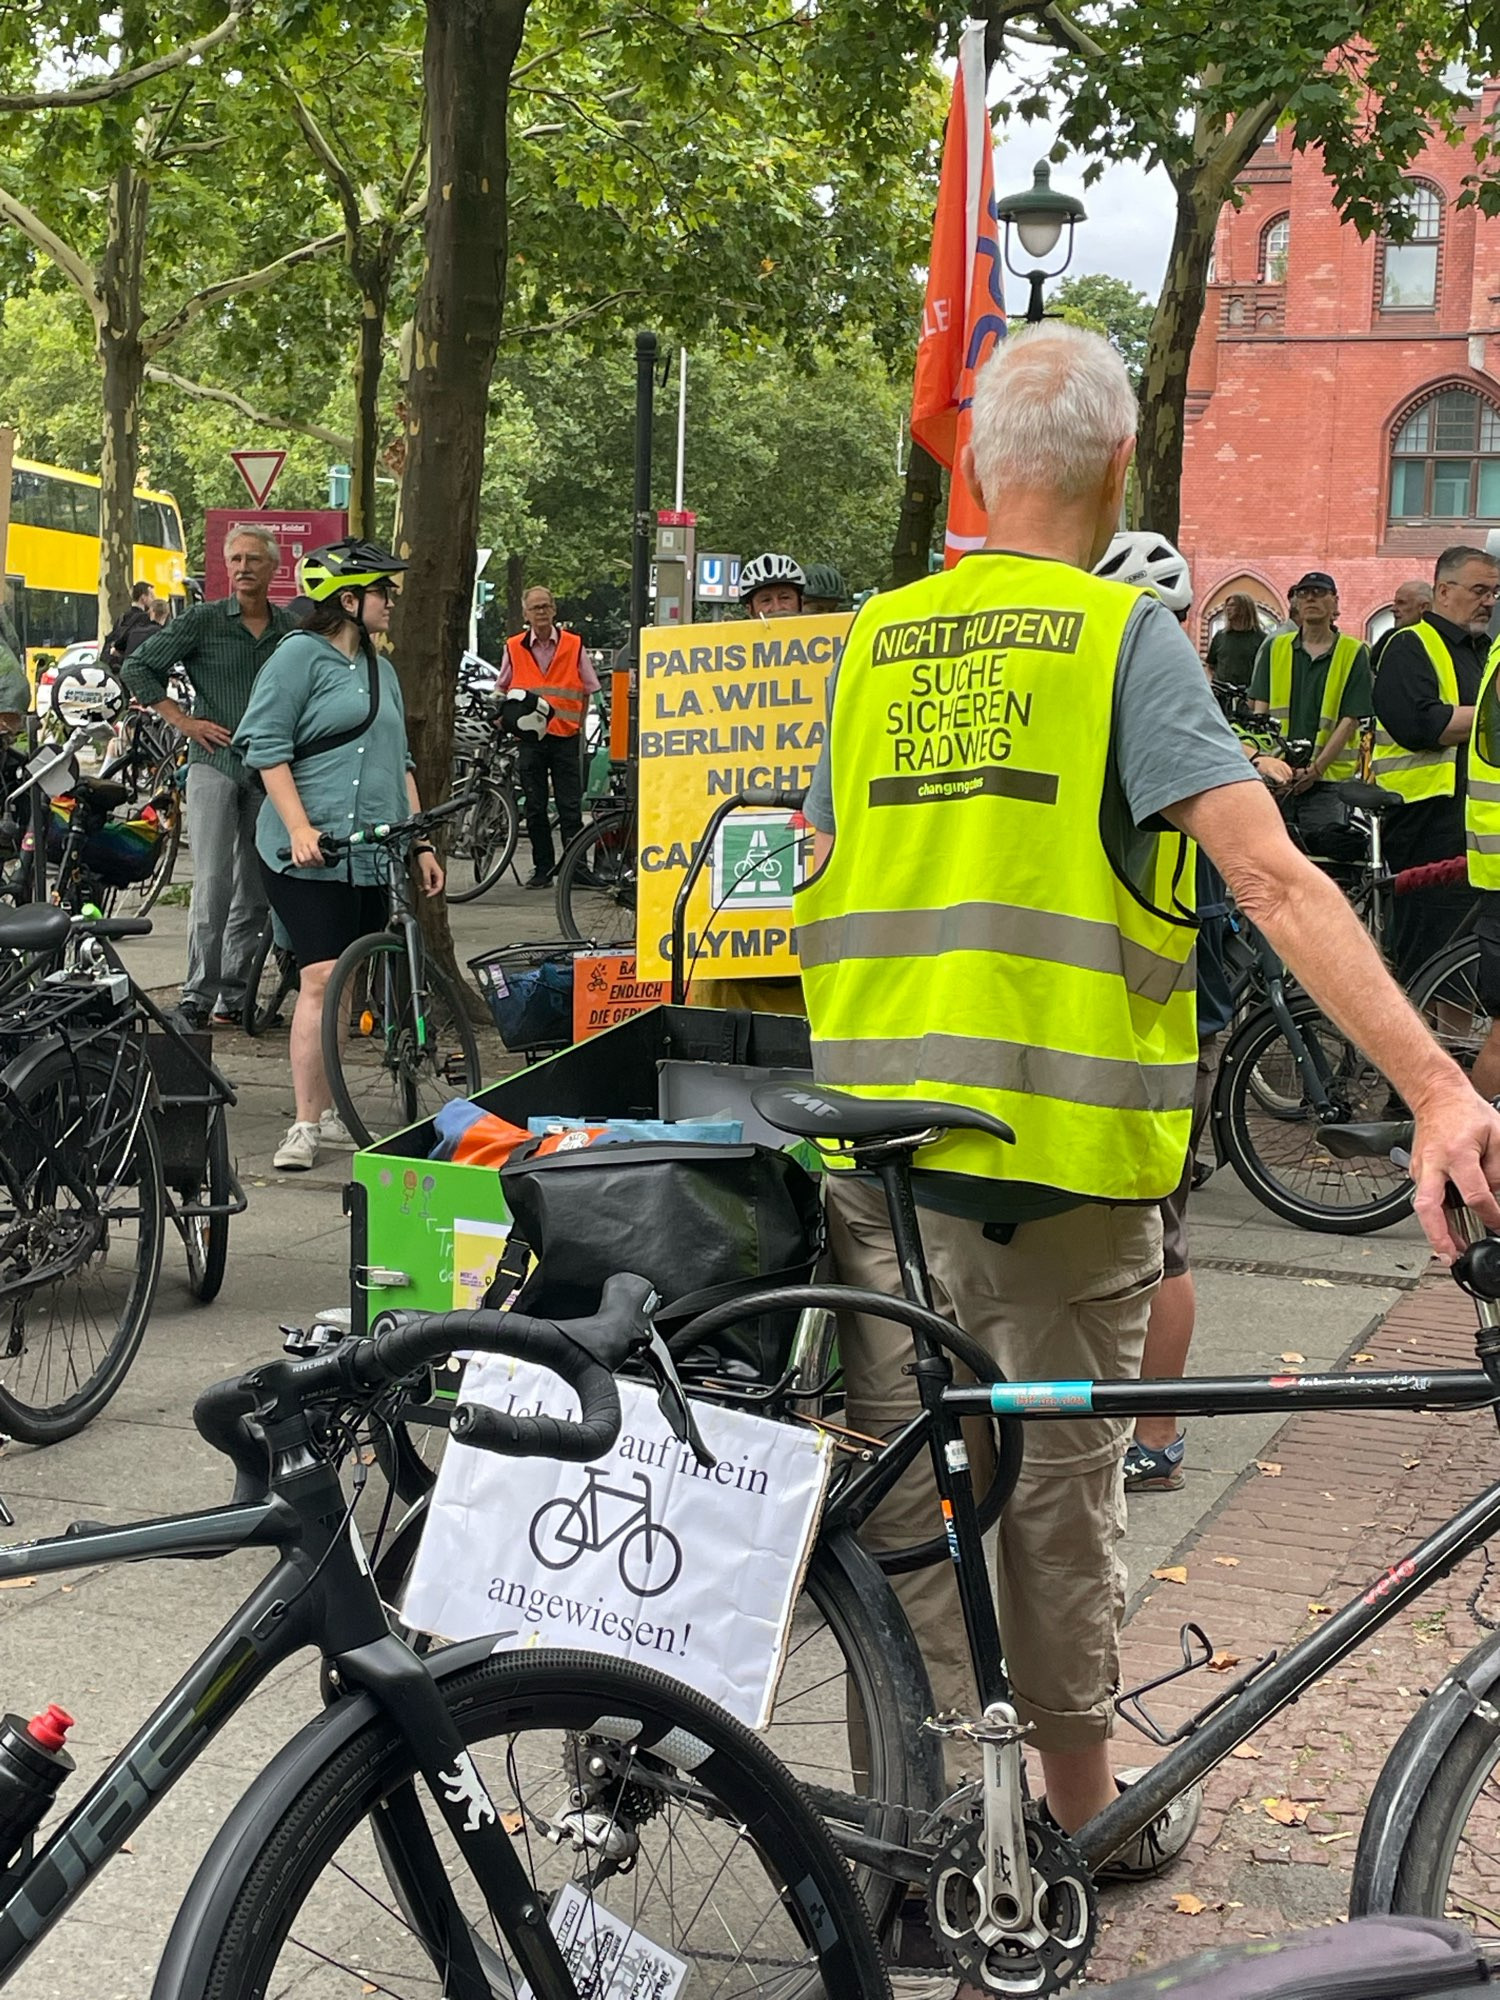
[{"x": 318, "y": 1595}]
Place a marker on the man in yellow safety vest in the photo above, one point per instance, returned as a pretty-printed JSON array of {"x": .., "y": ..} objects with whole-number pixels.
[
  {"x": 1001, "y": 917},
  {"x": 1315, "y": 685}
]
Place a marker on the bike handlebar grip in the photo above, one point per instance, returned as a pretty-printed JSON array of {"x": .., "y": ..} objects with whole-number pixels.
[
  {"x": 219, "y": 1418},
  {"x": 423, "y": 1337},
  {"x": 763, "y": 795}
]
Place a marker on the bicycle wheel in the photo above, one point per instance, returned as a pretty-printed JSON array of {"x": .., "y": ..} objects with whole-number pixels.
[
  {"x": 269, "y": 986},
  {"x": 691, "y": 1839},
  {"x": 596, "y": 883},
  {"x": 205, "y": 1238},
  {"x": 166, "y": 796},
  {"x": 388, "y": 1068},
  {"x": 1445, "y": 992},
  {"x": 66, "y": 1345},
  {"x": 485, "y": 844},
  {"x": 1284, "y": 1162},
  {"x": 1448, "y": 1864}
]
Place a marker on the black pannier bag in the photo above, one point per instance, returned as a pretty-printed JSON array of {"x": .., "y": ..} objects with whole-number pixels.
[{"x": 702, "y": 1222}]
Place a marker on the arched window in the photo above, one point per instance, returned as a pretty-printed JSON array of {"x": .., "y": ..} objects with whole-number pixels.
[
  {"x": 1445, "y": 460},
  {"x": 1275, "y": 242},
  {"x": 1409, "y": 270}
]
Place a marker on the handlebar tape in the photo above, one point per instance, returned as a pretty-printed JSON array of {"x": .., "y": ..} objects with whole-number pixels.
[
  {"x": 763, "y": 795},
  {"x": 1430, "y": 875},
  {"x": 219, "y": 1418},
  {"x": 419, "y": 1339}
]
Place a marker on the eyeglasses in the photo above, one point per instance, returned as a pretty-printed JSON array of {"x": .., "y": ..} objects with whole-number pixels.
[{"x": 1482, "y": 589}]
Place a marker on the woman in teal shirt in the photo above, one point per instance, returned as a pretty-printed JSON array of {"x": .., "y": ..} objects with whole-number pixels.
[{"x": 323, "y": 682}]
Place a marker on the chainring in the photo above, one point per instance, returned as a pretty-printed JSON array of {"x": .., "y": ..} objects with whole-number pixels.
[{"x": 1052, "y": 1953}]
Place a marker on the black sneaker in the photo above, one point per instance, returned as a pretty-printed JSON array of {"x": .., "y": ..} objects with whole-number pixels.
[
  {"x": 189, "y": 1019},
  {"x": 540, "y": 878}
]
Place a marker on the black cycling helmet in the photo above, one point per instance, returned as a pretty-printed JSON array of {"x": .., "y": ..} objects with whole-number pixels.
[
  {"x": 346, "y": 565},
  {"x": 824, "y": 581}
]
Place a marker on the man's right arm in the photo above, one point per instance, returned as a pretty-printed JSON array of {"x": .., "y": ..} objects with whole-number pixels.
[{"x": 145, "y": 672}]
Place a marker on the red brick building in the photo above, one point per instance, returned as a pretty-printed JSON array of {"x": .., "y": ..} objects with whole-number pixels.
[{"x": 1344, "y": 397}]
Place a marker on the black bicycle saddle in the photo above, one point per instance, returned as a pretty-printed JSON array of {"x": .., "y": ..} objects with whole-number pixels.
[
  {"x": 813, "y": 1112},
  {"x": 33, "y": 927}
]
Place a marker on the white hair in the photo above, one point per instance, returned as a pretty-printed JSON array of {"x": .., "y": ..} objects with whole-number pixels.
[
  {"x": 252, "y": 531},
  {"x": 1051, "y": 405}
]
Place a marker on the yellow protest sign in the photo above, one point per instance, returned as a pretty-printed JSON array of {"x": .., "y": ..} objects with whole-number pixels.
[{"x": 727, "y": 709}]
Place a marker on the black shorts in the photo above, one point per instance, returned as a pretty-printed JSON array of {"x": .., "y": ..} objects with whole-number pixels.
[
  {"x": 1487, "y": 931},
  {"x": 322, "y": 919}
]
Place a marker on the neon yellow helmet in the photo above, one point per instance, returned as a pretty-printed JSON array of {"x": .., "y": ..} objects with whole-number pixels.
[{"x": 346, "y": 565}]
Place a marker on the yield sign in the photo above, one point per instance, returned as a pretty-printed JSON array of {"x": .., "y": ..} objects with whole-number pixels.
[{"x": 260, "y": 470}]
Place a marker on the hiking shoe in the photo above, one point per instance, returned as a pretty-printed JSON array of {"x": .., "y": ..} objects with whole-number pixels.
[
  {"x": 1151, "y": 1471},
  {"x": 333, "y": 1131},
  {"x": 539, "y": 878},
  {"x": 1154, "y": 1850},
  {"x": 298, "y": 1150},
  {"x": 192, "y": 1020}
]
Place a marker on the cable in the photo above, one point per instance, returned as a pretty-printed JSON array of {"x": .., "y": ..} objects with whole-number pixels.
[{"x": 788, "y": 847}]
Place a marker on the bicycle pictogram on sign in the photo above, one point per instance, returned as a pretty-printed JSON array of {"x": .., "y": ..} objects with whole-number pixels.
[{"x": 649, "y": 1557}]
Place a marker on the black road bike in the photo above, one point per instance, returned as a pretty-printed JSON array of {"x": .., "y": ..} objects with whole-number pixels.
[{"x": 476, "y": 1823}]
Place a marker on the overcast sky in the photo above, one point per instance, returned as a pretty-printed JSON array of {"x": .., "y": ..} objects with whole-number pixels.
[{"x": 1129, "y": 227}]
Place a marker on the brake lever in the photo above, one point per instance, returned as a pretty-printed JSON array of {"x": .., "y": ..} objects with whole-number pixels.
[{"x": 672, "y": 1398}]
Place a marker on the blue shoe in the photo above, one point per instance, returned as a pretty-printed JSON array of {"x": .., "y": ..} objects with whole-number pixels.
[{"x": 1148, "y": 1471}]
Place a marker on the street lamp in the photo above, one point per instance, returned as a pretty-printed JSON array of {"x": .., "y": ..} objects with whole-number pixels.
[{"x": 1040, "y": 215}]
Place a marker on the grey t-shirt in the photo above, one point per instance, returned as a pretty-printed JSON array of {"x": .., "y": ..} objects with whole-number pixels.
[{"x": 1170, "y": 742}]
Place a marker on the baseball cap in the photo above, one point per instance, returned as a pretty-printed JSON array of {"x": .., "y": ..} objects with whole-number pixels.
[{"x": 1315, "y": 579}]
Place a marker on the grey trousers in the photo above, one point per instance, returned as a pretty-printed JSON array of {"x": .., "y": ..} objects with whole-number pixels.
[{"x": 229, "y": 902}]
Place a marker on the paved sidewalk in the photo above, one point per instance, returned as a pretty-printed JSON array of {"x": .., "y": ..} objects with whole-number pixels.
[{"x": 1332, "y": 1501}]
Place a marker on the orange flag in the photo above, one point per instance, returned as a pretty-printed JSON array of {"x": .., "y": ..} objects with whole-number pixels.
[{"x": 963, "y": 316}]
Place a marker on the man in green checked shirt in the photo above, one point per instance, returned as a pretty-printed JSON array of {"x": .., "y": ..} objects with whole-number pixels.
[{"x": 221, "y": 646}]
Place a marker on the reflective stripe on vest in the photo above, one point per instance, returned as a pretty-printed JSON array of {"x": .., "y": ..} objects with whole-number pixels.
[
  {"x": 1420, "y": 774},
  {"x": 1482, "y": 790},
  {"x": 1335, "y": 681},
  {"x": 969, "y": 938},
  {"x": 561, "y": 683}
]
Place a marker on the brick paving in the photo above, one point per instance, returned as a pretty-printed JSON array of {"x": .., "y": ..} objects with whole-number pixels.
[{"x": 1352, "y": 1494}]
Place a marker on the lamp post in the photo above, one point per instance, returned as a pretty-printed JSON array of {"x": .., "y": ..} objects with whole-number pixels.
[{"x": 1039, "y": 214}]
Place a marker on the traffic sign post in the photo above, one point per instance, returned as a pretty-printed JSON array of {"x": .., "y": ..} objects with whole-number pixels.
[{"x": 260, "y": 471}]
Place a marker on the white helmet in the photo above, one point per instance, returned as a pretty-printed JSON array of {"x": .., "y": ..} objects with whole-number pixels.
[
  {"x": 1151, "y": 562},
  {"x": 761, "y": 570}
]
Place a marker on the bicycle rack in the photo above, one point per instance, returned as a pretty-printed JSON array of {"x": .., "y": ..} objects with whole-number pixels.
[{"x": 1132, "y": 1709}]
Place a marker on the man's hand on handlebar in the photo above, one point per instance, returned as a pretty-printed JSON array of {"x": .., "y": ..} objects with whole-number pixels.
[{"x": 1457, "y": 1140}]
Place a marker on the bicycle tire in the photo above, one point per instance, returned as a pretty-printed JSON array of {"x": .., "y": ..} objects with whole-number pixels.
[
  {"x": 205, "y": 1238},
  {"x": 144, "y": 896},
  {"x": 269, "y": 983},
  {"x": 601, "y": 913},
  {"x": 489, "y": 862},
  {"x": 93, "y": 1359},
  {"x": 396, "y": 1060},
  {"x": 1435, "y": 1877},
  {"x": 1444, "y": 990},
  {"x": 815, "y": 1928},
  {"x": 1357, "y": 1196}
]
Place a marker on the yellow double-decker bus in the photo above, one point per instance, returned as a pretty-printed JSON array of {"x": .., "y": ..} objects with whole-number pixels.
[{"x": 52, "y": 554}]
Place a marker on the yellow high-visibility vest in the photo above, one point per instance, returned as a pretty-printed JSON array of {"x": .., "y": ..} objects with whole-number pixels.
[
  {"x": 1420, "y": 774},
  {"x": 970, "y": 938},
  {"x": 1336, "y": 680},
  {"x": 1482, "y": 791}
]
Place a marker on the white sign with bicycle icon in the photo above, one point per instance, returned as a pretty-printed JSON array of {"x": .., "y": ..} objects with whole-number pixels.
[{"x": 644, "y": 1554}]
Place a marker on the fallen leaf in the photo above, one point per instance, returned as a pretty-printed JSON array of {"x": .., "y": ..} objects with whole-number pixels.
[
  {"x": 1326, "y": 1284},
  {"x": 1269, "y": 1467},
  {"x": 1248, "y": 1806},
  {"x": 1245, "y": 1750},
  {"x": 1285, "y": 1812},
  {"x": 1188, "y": 1906},
  {"x": 1293, "y": 1357},
  {"x": 1411, "y": 1463},
  {"x": 1227, "y": 1562},
  {"x": 1222, "y": 1662},
  {"x": 1176, "y": 1574},
  {"x": 512, "y": 1822},
  {"x": 1327, "y": 1839},
  {"x": 17, "y": 1582},
  {"x": 1319, "y": 1610},
  {"x": 1361, "y": 1357}
]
